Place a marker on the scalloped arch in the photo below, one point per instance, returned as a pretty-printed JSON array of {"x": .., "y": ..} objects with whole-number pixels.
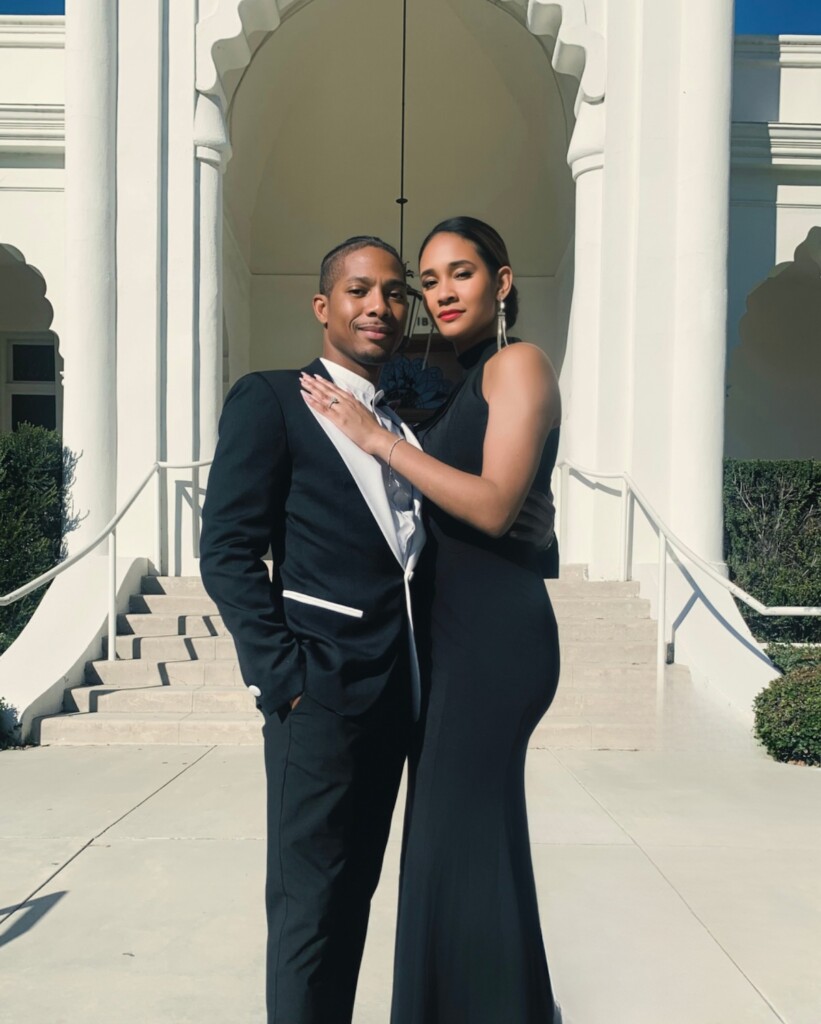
[
  {"x": 12, "y": 257},
  {"x": 226, "y": 41},
  {"x": 578, "y": 50}
]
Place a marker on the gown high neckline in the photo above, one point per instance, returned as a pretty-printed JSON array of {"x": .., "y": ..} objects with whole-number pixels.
[
  {"x": 473, "y": 355},
  {"x": 477, "y": 353}
]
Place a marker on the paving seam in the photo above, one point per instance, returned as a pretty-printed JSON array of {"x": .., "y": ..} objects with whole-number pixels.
[
  {"x": 680, "y": 896},
  {"x": 13, "y": 910}
]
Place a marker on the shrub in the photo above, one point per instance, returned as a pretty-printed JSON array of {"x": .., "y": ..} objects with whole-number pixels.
[
  {"x": 8, "y": 718},
  {"x": 35, "y": 472},
  {"x": 772, "y": 541},
  {"x": 788, "y": 656},
  {"x": 788, "y": 715}
]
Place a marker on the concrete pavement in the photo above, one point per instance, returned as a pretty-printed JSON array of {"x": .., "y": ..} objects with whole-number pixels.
[{"x": 680, "y": 885}]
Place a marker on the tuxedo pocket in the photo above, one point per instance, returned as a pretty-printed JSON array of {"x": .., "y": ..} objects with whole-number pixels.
[{"x": 319, "y": 602}]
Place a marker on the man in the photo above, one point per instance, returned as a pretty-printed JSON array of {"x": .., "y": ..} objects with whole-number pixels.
[{"x": 326, "y": 644}]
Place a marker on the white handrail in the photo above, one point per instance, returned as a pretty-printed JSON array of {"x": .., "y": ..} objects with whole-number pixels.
[
  {"x": 667, "y": 539},
  {"x": 679, "y": 545},
  {"x": 110, "y": 531}
]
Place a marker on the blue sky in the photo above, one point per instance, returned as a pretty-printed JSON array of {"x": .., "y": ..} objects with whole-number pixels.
[
  {"x": 771, "y": 17},
  {"x": 32, "y": 7},
  {"x": 753, "y": 17}
]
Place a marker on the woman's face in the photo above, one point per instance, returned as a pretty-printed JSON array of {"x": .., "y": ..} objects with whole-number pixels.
[{"x": 460, "y": 292}]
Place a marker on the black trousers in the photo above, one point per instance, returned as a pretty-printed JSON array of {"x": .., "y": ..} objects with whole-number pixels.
[{"x": 332, "y": 786}]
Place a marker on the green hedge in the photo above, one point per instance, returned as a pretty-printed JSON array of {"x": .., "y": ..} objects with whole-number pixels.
[
  {"x": 788, "y": 715},
  {"x": 786, "y": 657},
  {"x": 772, "y": 541},
  {"x": 35, "y": 472},
  {"x": 8, "y": 718}
]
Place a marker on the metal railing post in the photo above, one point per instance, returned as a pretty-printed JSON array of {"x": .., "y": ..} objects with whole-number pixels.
[
  {"x": 112, "y": 595},
  {"x": 625, "y": 529},
  {"x": 661, "y": 641},
  {"x": 195, "y": 512},
  {"x": 564, "y": 509},
  {"x": 158, "y": 519}
]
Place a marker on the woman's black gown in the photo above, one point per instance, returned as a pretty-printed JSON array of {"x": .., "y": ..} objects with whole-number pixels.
[{"x": 469, "y": 945}]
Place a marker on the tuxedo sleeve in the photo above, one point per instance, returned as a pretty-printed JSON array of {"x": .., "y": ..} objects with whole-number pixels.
[{"x": 244, "y": 507}]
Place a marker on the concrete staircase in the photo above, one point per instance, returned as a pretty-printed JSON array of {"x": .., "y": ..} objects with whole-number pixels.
[{"x": 176, "y": 678}]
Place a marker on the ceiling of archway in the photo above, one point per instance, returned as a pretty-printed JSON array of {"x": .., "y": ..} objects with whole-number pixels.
[{"x": 315, "y": 129}]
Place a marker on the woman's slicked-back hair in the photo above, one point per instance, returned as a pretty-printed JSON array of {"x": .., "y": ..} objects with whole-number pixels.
[{"x": 489, "y": 244}]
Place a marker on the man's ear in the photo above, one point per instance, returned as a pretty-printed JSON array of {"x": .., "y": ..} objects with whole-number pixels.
[{"x": 320, "y": 304}]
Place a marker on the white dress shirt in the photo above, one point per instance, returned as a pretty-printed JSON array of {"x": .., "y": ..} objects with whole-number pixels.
[{"x": 403, "y": 499}]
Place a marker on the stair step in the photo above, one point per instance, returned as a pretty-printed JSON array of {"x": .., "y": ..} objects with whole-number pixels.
[
  {"x": 178, "y": 699},
  {"x": 235, "y": 729},
  {"x": 172, "y": 699},
  {"x": 614, "y": 609},
  {"x": 608, "y": 652},
  {"x": 578, "y": 631},
  {"x": 178, "y": 649},
  {"x": 186, "y": 586},
  {"x": 574, "y": 628},
  {"x": 596, "y": 589},
  {"x": 170, "y": 625},
  {"x": 133, "y": 727},
  {"x": 174, "y": 648},
  {"x": 172, "y": 604},
  {"x": 128, "y": 674},
  {"x": 573, "y": 571}
]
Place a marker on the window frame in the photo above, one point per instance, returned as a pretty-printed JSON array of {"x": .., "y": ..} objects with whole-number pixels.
[{"x": 11, "y": 387}]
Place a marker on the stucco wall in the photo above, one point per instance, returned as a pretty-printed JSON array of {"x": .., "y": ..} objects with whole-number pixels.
[
  {"x": 774, "y": 352},
  {"x": 32, "y": 144}
]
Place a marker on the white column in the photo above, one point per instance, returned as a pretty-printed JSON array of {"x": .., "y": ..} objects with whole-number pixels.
[
  {"x": 580, "y": 376},
  {"x": 89, "y": 332},
  {"x": 700, "y": 322},
  {"x": 213, "y": 152}
]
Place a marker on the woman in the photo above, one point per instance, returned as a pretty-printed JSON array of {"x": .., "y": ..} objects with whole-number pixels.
[{"x": 469, "y": 945}]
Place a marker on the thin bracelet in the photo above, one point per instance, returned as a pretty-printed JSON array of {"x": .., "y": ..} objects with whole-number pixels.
[{"x": 390, "y": 454}]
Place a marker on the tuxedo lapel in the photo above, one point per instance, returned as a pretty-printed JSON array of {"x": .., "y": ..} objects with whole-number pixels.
[{"x": 365, "y": 470}]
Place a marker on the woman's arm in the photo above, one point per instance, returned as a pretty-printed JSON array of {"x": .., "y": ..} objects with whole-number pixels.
[{"x": 522, "y": 393}]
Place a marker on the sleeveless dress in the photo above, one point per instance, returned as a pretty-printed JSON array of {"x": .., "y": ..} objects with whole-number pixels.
[{"x": 469, "y": 946}]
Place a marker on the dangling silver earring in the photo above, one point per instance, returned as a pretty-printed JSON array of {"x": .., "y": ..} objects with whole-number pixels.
[
  {"x": 427, "y": 347},
  {"x": 501, "y": 326}
]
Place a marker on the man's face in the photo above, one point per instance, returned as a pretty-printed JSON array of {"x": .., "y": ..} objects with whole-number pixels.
[{"x": 364, "y": 316}]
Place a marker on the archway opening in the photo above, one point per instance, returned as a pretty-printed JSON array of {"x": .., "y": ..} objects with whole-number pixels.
[
  {"x": 772, "y": 409},
  {"x": 30, "y": 365},
  {"x": 315, "y": 130}
]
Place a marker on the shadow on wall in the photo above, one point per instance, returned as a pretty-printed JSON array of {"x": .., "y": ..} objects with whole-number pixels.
[{"x": 772, "y": 410}]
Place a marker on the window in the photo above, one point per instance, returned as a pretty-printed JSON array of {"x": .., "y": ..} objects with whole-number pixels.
[{"x": 32, "y": 393}]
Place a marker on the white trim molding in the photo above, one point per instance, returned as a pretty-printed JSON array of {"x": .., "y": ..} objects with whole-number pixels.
[
  {"x": 36, "y": 33},
  {"x": 779, "y": 51},
  {"x": 32, "y": 128},
  {"x": 761, "y": 144}
]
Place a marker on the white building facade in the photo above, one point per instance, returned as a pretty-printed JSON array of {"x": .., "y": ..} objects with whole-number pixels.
[{"x": 172, "y": 173}]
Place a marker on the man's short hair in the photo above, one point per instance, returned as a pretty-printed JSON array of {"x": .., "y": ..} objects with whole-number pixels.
[{"x": 332, "y": 263}]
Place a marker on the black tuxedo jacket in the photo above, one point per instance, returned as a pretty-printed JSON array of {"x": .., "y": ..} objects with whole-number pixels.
[{"x": 333, "y": 620}]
